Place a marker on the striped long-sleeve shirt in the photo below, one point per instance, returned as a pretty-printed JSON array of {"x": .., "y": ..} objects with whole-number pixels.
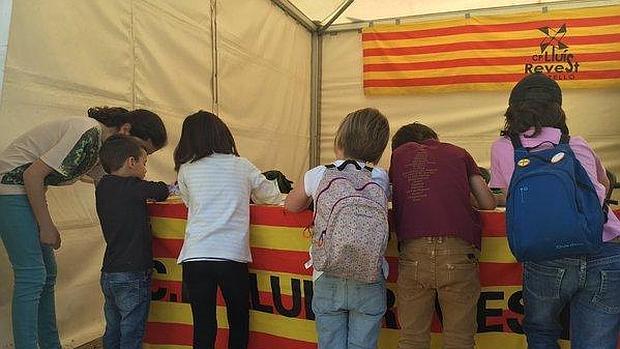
[{"x": 217, "y": 191}]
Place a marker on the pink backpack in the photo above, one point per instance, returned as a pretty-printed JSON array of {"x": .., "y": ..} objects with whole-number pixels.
[{"x": 350, "y": 231}]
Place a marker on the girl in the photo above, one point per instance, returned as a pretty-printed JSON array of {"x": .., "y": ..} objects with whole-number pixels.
[
  {"x": 55, "y": 153},
  {"x": 348, "y": 312},
  {"x": 217, "y": 184},
  {"x": 590, "y": 285}
]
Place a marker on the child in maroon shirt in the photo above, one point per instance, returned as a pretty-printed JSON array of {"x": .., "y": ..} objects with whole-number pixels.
[{"x": 439, "y": 232}]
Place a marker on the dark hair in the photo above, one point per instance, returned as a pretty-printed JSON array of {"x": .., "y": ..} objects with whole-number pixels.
[
  {"x": 145, "y": 124},
  {"x": 415, "y": 132},
  {"x": 203, "y": 134},
  {"x": 363, "y": 135},
  {"x": 117, "y": 149},
  {"x": 522, "y": 116},
  {"x": 535, "y": 102}
]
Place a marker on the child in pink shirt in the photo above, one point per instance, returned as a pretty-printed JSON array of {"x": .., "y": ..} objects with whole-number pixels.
[{"x": 590, "y": 285}]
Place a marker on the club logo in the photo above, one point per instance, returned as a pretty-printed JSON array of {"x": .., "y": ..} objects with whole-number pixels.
[
  {"x": 553, "y": 38},
  {"x": 554, "y": 59}
]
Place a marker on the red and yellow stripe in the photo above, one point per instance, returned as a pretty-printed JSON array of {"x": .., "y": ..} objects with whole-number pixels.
[
  {"x": 280, "y": 248},
  {"x": 490, "y": 52}
]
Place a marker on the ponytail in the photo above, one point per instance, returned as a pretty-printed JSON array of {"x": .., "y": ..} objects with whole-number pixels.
[
  {"x": 145, "y": 124},
  {"x": 109, "y": 116}
]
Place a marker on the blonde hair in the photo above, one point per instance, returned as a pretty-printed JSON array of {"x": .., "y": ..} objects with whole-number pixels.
[{"x": 363, "y": 135}]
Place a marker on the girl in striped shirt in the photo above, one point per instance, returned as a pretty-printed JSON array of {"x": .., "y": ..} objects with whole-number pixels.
[{"x": 217, "y": 184}]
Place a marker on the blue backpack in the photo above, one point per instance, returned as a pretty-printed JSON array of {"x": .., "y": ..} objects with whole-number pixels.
[{"x": 552, "y": 209}]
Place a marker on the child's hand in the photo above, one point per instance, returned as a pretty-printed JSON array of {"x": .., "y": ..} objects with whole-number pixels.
[
  {"x": 173, "y": 189},
  {"x": 49, "y": 235}
]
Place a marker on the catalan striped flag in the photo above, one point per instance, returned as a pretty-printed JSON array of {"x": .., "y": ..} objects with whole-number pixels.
[
  {"x": 281, "y": 288},
  {"x": 580, "y": 48}
]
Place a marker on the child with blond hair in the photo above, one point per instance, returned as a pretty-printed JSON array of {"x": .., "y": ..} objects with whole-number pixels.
[{"x": 350, "y": 233}]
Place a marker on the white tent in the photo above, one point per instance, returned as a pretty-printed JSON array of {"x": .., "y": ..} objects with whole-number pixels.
[{"x": 281, "y": 73}]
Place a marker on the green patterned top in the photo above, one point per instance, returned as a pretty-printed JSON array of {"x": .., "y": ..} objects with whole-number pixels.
[{"x": 80, "y": 159}]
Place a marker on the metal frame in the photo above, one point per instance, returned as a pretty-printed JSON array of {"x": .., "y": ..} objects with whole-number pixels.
[
  {"x": 316, "y": 61},
  {"x": 343, "y": 7},
  {"x": 215, "y": 87},
  {"x": 356, "y": 26},
  {"x": 297, "y": 15},
  {"x": 316, "y": 67}
]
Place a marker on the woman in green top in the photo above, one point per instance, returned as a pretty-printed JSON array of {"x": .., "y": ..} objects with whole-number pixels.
[{"x": 54, "y": 153}]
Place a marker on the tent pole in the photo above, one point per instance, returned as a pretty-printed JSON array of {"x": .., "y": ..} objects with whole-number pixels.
[
  {"x": 315, "y": 77},
  {"x": 215, "y": 107},
  {"x": 294, "y": 12},
  {"x": 561, "y": 4},
  {"x": 316, "y": 61},
  {"x": 339, "y": 12}
]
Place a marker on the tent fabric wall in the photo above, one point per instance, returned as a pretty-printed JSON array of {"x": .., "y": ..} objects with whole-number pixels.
[
  {"x": 470, "y": 120},
  {"x": 67, "y": 55},
  {"x": 264, "y": 84},
  {"x": 5, "y": 21}
]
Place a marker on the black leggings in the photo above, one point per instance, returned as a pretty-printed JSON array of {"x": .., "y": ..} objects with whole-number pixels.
[{"x": 201, "y": 279}]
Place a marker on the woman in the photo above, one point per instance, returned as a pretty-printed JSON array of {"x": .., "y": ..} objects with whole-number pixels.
[{"x": 54, "y": 153}]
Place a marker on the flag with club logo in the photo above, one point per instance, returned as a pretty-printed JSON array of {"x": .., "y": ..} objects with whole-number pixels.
[{"x": 579, "y": 48}]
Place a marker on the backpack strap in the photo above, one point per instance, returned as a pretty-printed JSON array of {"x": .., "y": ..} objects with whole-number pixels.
[
  {"x": 517, "y": 145},
  {"x": 347, "y": 162},
  {"x": 516, "y": 142}
]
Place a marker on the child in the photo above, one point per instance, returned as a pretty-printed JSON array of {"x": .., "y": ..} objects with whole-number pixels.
[
  {"x": 348, "y": 312},
  {"x": 439, "y": 235},
  {"x": 126, "y": 273},
  {"x": 589, "y": 284},
  {"x": 217, "y": 184}
]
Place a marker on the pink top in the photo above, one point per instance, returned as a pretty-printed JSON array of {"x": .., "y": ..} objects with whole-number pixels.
[{"x": 503, "y": 164}]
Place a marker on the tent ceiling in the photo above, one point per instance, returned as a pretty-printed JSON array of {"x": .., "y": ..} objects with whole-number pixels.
[{"x": 369, "y": 10}]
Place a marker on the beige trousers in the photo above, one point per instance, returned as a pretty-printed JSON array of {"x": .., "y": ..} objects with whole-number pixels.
[{"x": 442, "y": 267}]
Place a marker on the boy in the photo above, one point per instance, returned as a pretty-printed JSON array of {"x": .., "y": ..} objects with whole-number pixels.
[
  {"x": 126, "y": 273},
  {"x": 439, "y": 235}
]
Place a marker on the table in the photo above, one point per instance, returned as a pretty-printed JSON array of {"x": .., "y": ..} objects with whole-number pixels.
[{"x": 281, "y": 289}]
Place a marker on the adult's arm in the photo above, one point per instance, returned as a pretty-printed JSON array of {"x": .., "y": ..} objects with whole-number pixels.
[
  {"x": 34, "y": 177},
  {"x": 94, "y": 175}
]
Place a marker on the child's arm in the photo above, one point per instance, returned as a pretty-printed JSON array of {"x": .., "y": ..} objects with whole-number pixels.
[
  {"x": 183, "y": 190},
  {"x": 297, "y": 200},
  {"x": 147, "y": 190},
  {"x": 482, "y": 193},
  {"x": 502, "y": 166},
  {"x": 264, "y": 191},
  {"x": 601, "y": 174}
]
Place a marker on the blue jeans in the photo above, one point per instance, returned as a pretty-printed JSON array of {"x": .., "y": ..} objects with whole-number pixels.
[
  {"x": 34, "y": 270},
  {"x": 348, "y": 313},
  {"x": 589, "y": 285},
  {"x": 127, "y": 298}
]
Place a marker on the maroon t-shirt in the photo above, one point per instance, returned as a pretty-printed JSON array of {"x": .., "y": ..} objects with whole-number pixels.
[{"x": 430, "y": 191}]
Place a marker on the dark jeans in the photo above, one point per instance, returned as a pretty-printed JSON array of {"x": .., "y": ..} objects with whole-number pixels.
[
  {"x": 589, "y": 285},
  {"x": 201, "y": 280},
  {"x": 127, "y": 299}
]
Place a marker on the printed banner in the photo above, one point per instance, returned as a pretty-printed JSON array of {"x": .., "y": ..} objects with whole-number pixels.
[
  {"x": 281, "y": 289},
  {"x": 580, "y": 48}
]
